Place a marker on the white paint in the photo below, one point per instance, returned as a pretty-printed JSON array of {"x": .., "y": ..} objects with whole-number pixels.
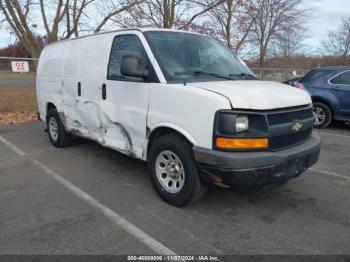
[
  {"x": 328, "y": 173},
  {"x": 14, "y": 148},
  {"x": 258, "y": 95},
  {"x": 136, "y": 232},
  {"x": 186, "y": 109},
  {"x": 336, "y": 135},
  {"x": 20, "y": 66},
  {"x": 121, "y": 121}
]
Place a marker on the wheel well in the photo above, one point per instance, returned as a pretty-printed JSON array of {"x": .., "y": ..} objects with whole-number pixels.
[
  {"x": 162, "y": 131},
  {"x": 50, "y": 106},
  {"x": 320, "y": 100}
]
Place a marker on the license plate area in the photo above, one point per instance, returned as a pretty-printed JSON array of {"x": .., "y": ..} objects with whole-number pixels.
[{"x": 297, "y": 165}]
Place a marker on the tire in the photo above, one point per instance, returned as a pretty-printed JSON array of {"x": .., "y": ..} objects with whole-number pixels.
[
  {"x": 323, "y": 115},
  {"x": 56, "y": 131},
  {"x": 184, "y": 188}
]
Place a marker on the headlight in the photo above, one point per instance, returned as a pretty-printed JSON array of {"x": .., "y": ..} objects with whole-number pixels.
[
  {"x": 241, "y": 124},
  {"x": 240, "y": 131}
]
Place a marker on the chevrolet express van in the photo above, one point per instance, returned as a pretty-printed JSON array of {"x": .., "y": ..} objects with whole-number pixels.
[{"x": 181, "y": 101}]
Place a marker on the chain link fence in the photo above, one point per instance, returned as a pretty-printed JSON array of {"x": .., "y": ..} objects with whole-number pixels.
[
  {"x": 15, "y": 71},
  {"x": 279, "y": 74}
]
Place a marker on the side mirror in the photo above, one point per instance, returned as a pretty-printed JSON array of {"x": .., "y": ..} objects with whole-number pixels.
[{"x": 130, "y": 66}]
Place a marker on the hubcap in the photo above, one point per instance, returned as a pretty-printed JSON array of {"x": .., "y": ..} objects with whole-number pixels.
[
  {"x": 53, "y": 128},
  {"x": 170, "y": 172},
  {"x": 320, "y": 116}
]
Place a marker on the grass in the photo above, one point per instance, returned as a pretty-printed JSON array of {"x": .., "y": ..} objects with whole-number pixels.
[
  {"x": 17, "y": 99},
  {"x": 17, "y": 104},
  {"x": 8, "y": 75}
]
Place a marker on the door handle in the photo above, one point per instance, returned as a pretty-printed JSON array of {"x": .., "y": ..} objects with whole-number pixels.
[
  {"x": 79, "y": 89},
  {"x": 104, "y": 92}
]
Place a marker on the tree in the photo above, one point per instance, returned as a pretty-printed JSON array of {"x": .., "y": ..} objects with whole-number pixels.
[
  {"x": 16, "y": 15},
  {"x": 178, "y": 14},
  {"x": 113, "y": 9},
  {"x": 338, "y": 42},
  {"x": 272, "y": 17},
  {"x": 61, "y": 19},
  {"x": 15, "y": 50},
  {"x": 52, "y": 31},
  {"x": 288, "y": 42},
  {"x": 232, "y": 23}
]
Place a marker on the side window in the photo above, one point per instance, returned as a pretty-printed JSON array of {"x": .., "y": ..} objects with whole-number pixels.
[
  {"x": 314, "y": 74},
  {"x": 343, "y": 79},
  {"x": 125, "y": 45}
]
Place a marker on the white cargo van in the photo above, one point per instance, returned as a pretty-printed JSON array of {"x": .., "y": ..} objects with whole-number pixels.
[{"x": 181, "y": 101}]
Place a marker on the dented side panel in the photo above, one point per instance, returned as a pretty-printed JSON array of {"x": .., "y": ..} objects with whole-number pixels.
[{"x": 126, "y": 107}]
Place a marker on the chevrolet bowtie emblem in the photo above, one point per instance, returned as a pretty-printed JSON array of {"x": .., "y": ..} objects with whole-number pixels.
[{"x": 297, "y": 126}]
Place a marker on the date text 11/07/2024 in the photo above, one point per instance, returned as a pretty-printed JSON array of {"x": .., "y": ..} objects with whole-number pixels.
[{"x": 173, "y": 258}]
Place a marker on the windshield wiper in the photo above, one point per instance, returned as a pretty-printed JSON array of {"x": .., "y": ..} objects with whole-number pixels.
[
  {"x": 202, "y": 73},
  {"x": 244, "y": 76}
]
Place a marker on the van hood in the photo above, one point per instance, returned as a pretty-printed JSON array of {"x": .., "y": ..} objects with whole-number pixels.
[{"x": 258, "y": 95}]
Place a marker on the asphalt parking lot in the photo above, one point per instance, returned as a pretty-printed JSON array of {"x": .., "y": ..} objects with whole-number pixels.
[{"x": 87, "y": 199}]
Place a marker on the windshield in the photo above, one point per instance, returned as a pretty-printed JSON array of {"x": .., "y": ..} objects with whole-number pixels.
[{"x": 189, "y": 56}]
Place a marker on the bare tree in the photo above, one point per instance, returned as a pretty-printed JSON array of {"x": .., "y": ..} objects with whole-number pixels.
[
  {"x": 115, "y": 8},
  {"x": 232, "y": 22},
  {"x": 338, "y": 42},
  {"x": 74, "y": 11},
  {"x": 288, "y": 42},
  {"x": 16, "y": 15},
  {"x": 272, "y": 18},
  {"x": 60, "y": 19},
  {"x": 60, "y": 11},
  {"x": 178, "y": 14}
]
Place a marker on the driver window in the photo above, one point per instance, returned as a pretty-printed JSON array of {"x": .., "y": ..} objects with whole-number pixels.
[{"x": 125, "y": 45}]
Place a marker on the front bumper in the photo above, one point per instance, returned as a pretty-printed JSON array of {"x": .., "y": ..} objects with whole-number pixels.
[{"x": 256, "y": 168}]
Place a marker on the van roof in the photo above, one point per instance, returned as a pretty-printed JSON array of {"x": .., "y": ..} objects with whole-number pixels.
[{"x": 126, "y": 29}]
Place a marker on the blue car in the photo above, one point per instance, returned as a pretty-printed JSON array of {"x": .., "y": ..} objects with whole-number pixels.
[{"x": 330, "y": 91}]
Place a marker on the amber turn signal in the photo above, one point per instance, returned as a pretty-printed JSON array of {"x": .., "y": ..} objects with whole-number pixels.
[{"x": 245, "y": 143}]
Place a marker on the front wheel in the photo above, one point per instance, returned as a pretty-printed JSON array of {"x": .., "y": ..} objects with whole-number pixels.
[
  {"x": 322, "y": 114},
  {"x": 174, "y": 172}
]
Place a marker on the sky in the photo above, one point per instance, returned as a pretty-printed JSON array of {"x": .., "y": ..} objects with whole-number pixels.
[{"x": 324, "y": 15}]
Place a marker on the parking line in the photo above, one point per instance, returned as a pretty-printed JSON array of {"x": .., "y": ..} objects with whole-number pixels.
[
  {"x": 330, "y": 173},
  {"x": 331, "y": 134},
  {"x": 12, "y": 146},
  {"x": 140, "y": 235}
]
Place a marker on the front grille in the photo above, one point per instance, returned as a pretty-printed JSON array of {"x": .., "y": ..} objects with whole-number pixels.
[
  {"x": 279, "y": 142},
  {"x": 281, "y": 124},
  {"x": 289, "y": 117}
]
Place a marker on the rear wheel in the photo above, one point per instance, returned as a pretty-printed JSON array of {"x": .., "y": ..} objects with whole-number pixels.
[
  {"x": 174, "y": 172},
  {"x": 56, "y": 131},
  {"x": 322, "y": 114}
]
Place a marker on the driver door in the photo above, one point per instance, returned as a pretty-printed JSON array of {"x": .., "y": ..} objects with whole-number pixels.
[{"x": 126, "y": 98}]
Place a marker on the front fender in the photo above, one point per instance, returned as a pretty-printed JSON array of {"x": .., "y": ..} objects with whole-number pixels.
[{"x": 327, "y": 96}]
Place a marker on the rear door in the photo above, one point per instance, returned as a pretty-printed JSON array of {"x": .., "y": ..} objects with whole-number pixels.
[{"x": 340, "y": 85}]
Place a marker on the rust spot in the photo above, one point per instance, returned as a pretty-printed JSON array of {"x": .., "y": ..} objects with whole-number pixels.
[
  {"x": 63, "y": 118},
  {"x": 216, "y": 180}
]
